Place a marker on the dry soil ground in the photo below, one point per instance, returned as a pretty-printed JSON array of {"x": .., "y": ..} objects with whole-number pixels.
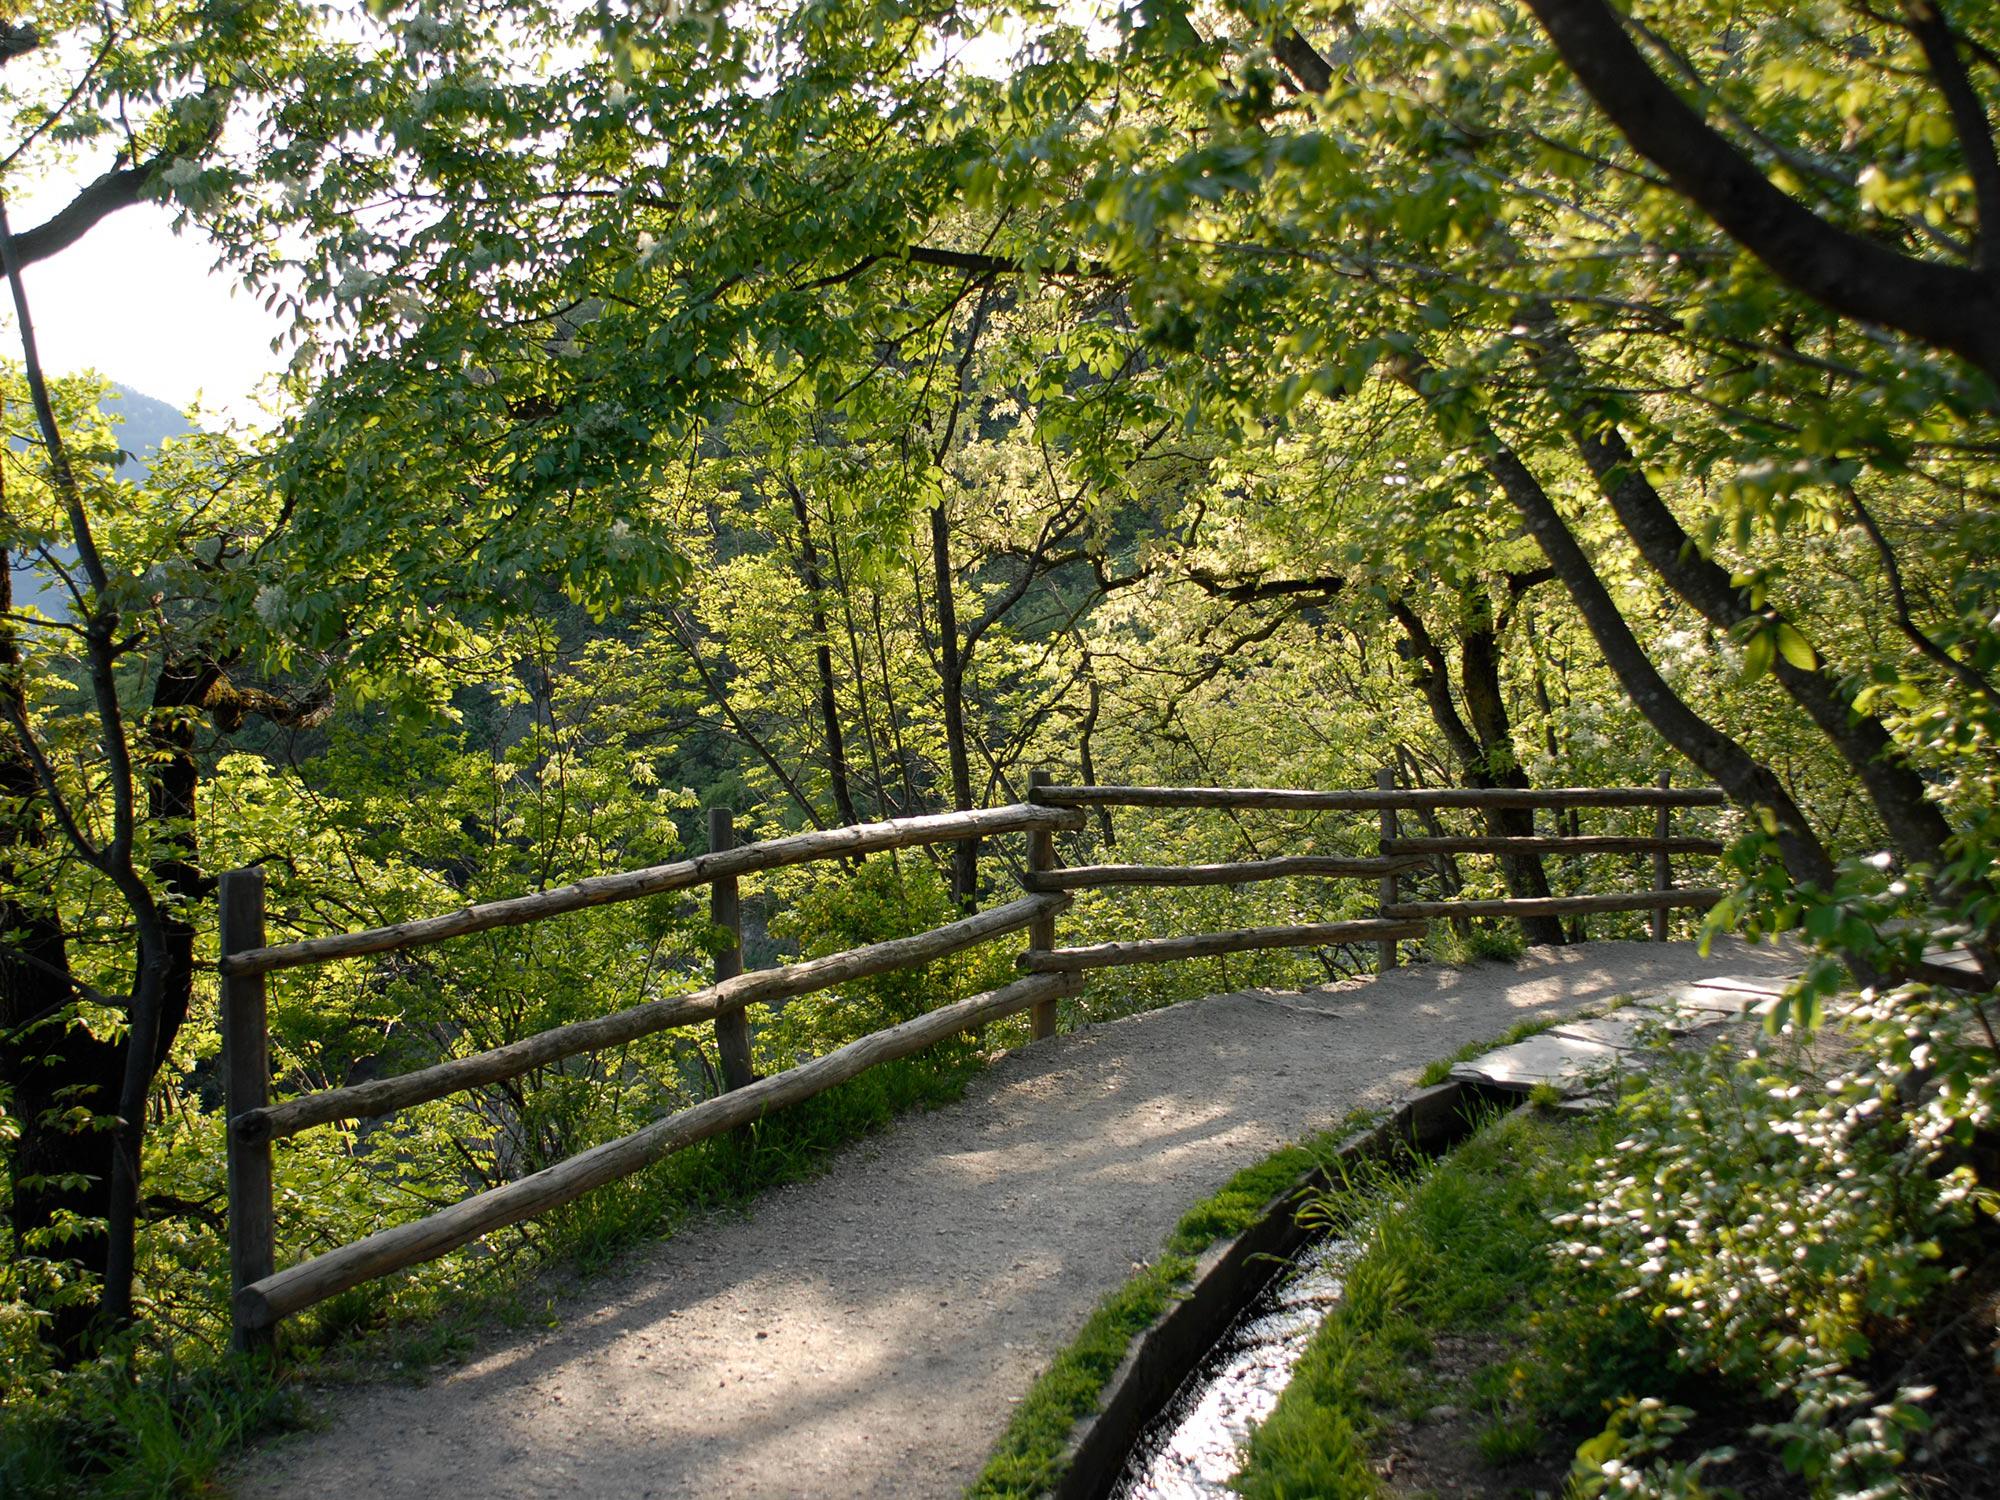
[{"x": 866, "y": 1332}]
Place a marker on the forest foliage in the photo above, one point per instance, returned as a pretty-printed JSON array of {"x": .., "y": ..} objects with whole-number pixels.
[{"x": 833, "y": 410}]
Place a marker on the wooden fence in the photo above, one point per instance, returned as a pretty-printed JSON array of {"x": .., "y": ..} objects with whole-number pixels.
[{"x": 262, "y": 1294}]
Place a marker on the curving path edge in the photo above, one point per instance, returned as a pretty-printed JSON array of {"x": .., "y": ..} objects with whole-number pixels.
[{"x": 867, "y": 1332}]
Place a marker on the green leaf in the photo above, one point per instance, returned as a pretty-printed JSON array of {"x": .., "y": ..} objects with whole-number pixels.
[{"x": 1758, "y": 654}]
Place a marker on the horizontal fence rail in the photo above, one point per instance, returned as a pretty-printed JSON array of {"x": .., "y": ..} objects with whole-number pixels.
[
  {"x": 1213, "y": 944},
  {"x": 1556, "y": 906},
  {"x": 383, "y": 1096},
  {"x": 1241, "y": 872},
  {"x": 602, "y": 890},
  {"x": 1364, "y": 801},
  {"x": 1581, "y": 843},
  {"x": 262, "y": 1294},
  {"x": 263, "y": 1302}
]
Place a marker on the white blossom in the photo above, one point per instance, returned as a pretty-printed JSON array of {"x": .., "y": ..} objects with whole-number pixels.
[
  {"x": 405, "y": 304},
  {"x": 355, "y": 283}
]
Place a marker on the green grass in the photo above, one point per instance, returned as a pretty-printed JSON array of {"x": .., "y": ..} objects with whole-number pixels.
[
  {"x": 1544, "y": 1096},
  {"x": 1465, "y": 1250},
  {"x": 112, "y": 1435},
  {"x": 1483, "y": 940},
  {"x": 1027, "y": 1460},
  {"x": 1508, "y": 1440}
]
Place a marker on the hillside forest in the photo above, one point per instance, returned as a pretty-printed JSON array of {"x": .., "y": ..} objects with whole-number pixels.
[{"x": 835, "y": 410}]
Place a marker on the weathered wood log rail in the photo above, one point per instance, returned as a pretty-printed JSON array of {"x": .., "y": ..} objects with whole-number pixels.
[
  {"x": 1395, "y": 919},
  {"x": 262, "y": 1294}
]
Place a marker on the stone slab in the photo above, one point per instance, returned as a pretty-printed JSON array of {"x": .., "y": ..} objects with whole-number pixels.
[
  {"x": 1695, "y": 998},
  {"x": 1624, "y": 1029},
  {"x": 1567, "y": 1063},
  {"x": 1747, "y": 984},
  {"x": 1960, "y": 959}
]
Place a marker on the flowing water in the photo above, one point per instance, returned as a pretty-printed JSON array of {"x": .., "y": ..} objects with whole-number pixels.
[{"x": 1192, "y": 1449}]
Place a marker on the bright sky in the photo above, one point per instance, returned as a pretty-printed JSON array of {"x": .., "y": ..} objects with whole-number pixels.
[{"x": 144, "y": 306}]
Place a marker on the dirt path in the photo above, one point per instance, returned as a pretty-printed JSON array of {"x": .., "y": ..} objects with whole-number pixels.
[{"x": 865, "y": 1333}]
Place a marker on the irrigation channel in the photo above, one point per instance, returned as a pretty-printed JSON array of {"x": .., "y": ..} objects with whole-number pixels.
[
  {"x": 1183, "y": 1433},
  {"x": 1192, "y": 1449},
  {"x": 1177, "y": 1423}
]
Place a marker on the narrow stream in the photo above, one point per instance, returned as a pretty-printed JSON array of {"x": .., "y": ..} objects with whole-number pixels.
[{"x": 1193, "y": 1448}]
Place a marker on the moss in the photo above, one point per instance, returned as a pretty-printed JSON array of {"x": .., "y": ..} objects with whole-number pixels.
[
  {"x": 1028, "y": 1458},
  {"x": 1464, "y": 1251}
]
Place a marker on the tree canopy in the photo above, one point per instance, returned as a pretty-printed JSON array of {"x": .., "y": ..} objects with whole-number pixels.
[{"x": 836, "y": 409}]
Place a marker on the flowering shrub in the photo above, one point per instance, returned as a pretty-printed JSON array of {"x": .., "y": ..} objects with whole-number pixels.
[
  {"x": 1611, "y": 1463},
  {"x": 1778, "y": 1222}
]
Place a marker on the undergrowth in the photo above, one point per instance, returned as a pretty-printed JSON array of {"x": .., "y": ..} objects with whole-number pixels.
[
  {"x": 1481, "y": 940},
  {"x": 1738, "y": 1280},
  {"x": 1466, "y": 1248}
]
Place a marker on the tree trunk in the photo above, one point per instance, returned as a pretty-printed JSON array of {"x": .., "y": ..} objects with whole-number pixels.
[
  {"x": 1483, "y": 761},
  {"x": 56, "y": 1071},
  {"x": 1914, "y": 823},
  {"x": 951, "y": 678},
  {"x": 891, "y": 711},
  {"x": 163, "y": 927},
  {"x": 829, "y": 702},
  {"x": 885, "y": 807},
  {"x": 1485, "y": 701},
  {"x": 1747, "y": 781},
  {"x": 175, "y": 776},
  {"x": 1865, "y": 280},
  {"x": 1087, "y": 757}
]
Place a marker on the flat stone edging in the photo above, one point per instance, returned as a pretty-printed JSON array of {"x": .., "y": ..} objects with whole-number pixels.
[{"x": 1230, "y": 1274}]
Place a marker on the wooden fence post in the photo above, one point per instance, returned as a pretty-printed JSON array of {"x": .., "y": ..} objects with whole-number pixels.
[
  {"x": 246, "y": 1073},
  {"x": 1042, "y": 931},
  {"x": 732, "y": 1030},
  {"x": 1663, "y": 863},
  {"x": 1385, "y": 890}
]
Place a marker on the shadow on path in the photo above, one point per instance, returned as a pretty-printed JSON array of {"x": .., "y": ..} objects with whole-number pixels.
[{"x": 867, "y": 1332}]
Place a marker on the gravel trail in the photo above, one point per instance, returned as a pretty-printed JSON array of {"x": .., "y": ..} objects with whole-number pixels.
[{"x": 866, "y": 1333}]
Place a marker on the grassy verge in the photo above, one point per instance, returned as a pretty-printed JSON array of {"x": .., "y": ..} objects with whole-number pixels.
[
  {"x": 1026, "y": 1461},
  {"x": 162, "y": 1424},
  {"x": 1468, "y": 1356},
  {"x": 1450, "y": 1292}
]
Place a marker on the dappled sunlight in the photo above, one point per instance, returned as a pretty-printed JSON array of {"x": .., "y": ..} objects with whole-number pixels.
[{"x": 867, "y": 1332}]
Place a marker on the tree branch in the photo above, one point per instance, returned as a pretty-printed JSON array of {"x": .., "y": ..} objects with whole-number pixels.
[
  {"x": 1250, "y": 590},
  {"x": 1312, "y": 72},
  {"x": 1434, "y": 682},
  {"x": 1925, "y": 21},
  {"x": 1968, "y": 676},
  {"x": 95, "y": 201},
  {"x": 1950, "y": 308}
]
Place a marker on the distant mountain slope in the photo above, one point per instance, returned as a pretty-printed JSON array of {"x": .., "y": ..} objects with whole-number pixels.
[{"x": 143, "y": 424}]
